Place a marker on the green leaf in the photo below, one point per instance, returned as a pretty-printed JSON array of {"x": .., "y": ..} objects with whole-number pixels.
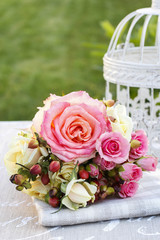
[
  {"x": 47, "y": 197},
  {"x": 41, "y": 141},
  {"x": 108, "y": 28},
  {"x": 63, "y": 187},
  {"x": 27, "y": 185},
  {"x": 69, "y": 204},
  {"x": 24, "y": 172},
  {"x": 33, "y": 177},
  {"x": 121, "y": 169},
  {"x": 19, "y": 188},
  {"x": 74, "y": 172}
]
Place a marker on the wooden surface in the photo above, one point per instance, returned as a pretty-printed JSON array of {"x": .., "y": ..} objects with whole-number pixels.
[{"x": 19, "y": 218}]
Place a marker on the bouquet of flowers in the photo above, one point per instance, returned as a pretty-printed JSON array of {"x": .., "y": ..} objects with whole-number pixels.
[{"x": 77, "y": 151}]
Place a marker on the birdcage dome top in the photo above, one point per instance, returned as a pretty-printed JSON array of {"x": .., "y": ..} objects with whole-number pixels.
[{"x": 125, "y": 55}]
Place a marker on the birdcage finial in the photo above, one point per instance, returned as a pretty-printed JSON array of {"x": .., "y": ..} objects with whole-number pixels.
[{"x": 156, "y": 4}]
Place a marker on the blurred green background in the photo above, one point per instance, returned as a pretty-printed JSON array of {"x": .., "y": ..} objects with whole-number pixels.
[{"x": 50, "y": 46}]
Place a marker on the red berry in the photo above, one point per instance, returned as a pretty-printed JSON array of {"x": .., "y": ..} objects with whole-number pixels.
[
  {"x": 83, "y": 174},
  {"x": 54, "y": 202},
  {"x": 54, "y": 166},
  {"x": 36, "y": 169},
  {"x": 45, "y": 179}
]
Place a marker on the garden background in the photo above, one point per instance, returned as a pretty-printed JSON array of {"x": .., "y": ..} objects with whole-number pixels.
[{"x": 54, "y": 46}]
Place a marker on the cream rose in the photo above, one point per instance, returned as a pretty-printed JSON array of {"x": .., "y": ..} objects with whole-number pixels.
[
  {"x": 22, "y": 154},
  {"x": 78, "y": 193},
  {"x": 120, "y": 121},
  {"x": 38, "y": 190},
  {"x": 63, "y": 175}
]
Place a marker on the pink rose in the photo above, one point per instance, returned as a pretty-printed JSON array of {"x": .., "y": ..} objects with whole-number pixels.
[
  {"x": 131, "y": 172},
  {"x": 97, "y": 160},
  {"x": 128, "y": 189},
  {"x": 148, "y": 163},
  {"x": 104, "y": 165},
  {"x": 71, "y": 125},
  {"x": 113, "y": 147},
  {"x": 92, "y": 169},
  {"x": 136, "y": 153}
]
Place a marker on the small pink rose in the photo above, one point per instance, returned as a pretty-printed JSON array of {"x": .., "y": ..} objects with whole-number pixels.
[
  {"x": 141, "y": 136},
  {"x": 71, "y": 125},
  {"x": 148, "y": 163},
  {"x": 131, "y": 172},
  {"x": 106, "y": 165},
  {"x": 92, "y": 169},
  {"x": 113, "y": 147},
  {"x": 128, "y": 189}
]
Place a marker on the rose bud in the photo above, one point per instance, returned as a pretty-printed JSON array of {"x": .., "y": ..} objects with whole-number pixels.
[
  {"x": 110, "y": 191},
  {"x": 45, "y": 179},
  {"x": 33, "y": 144},
  {"x": 109, "y": 103},
  {"x": 148, "y": 163},
  {"x": 17, "y": 179},
  {"x": 83, "y": 174},
  {"x": 100, "y": 176},
  {"x": 53, "y": 192},
  {"x": 112, "y": 173},
  {"x": 36, "y": 169},
  {"x": 54, "y": 202},
  {"x": 103, "y": 188},
  {"x": 135, "y": 144},
  {"x": 54, "y": 166},
  {"x": 92, "y": 169}
]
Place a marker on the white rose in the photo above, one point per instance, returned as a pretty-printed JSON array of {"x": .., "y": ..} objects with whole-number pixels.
[
  {"x": 78, "y": 193},
  {"x": 20, "y": 153},
  {"x": 38, "y": 190},
  {"x": 122, "y": 123}
]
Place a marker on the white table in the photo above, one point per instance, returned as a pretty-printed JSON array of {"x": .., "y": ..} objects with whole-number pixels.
[{"x": 19, "y": 220}]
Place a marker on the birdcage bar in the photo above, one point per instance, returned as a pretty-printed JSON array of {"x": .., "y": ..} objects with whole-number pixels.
[
  {"x": 128, "y": 98},
  {"x": 142, "y": 43},
  {"x": 107, "y": 90},
  {"x": 135, "y": 20},
  {"x": 152, "y": 105},
  {"x": 118, "y": 31},
  {"x": 119, "y": 28},
  {"x": 158, "y": 39}
]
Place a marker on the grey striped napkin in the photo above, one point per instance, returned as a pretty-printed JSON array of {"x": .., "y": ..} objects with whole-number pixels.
[{"x": 146, "y": 202}]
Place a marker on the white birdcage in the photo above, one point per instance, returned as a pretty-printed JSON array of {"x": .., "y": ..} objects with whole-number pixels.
[{"x": 132, "y": 67}]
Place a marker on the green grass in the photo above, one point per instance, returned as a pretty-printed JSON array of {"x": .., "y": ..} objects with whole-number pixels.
[{"x": 42, "y": 49}]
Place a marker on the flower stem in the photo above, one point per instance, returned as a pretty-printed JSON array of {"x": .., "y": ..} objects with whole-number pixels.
[{"x": 22, "y": 166}]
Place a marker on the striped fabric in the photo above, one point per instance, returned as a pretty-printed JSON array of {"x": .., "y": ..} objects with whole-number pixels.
[{"x": 146, "y": 202}]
